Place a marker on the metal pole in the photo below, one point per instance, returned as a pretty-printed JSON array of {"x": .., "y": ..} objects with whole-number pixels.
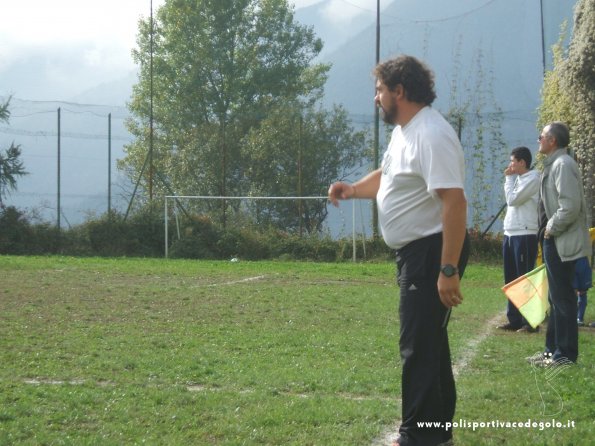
[
  {"x": 109, "y": 165},
  {"x": 58, "y": 204},
  {"x": 493, "y": 221},
  {"x": 165, "y": 219},
  {"x": 136, "y": 187},
  {"x": 151, "y": 112},
  {"x": 376, "y": 125},
  {"x": 542, "y": 36},
  {"x": 460, "y": 127},
  {"x": 223, "y": 172},
  {"x": 353, "y": 242},
  {"x": 300, "y": 184}
]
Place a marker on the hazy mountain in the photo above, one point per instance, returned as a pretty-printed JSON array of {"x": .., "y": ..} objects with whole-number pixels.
[
  {"x": 57, "y": 73},
  {"x": 449, "y": 36},
  {"x": 116, "y": 92},
  {"x": 334, "y": 31}
]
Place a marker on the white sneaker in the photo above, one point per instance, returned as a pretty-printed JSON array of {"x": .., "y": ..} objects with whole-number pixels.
[{"x": 540, "y": 359}]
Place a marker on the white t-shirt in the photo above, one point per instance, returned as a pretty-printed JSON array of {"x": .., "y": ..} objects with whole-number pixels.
[{"x": 421, "y": 157}]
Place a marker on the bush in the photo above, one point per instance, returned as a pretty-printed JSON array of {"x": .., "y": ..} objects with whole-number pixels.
[
  {"x": 199, "y": 240},
  {"x": 16, "y": 233},
  {"x": 143, "y": 235},
  {"x": 250, "y": 244},
  {"x": 112, "y": 236},
  {"x": 147, "y": 231},
  {"x": 485, "y": 249}
]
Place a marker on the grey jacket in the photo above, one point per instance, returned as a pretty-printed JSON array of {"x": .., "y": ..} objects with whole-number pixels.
[{"x": 561, "y": 190}]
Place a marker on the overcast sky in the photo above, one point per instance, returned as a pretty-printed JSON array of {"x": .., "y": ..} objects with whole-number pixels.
[
  {"x": 107, "y": 24},
  {"x": 80, "y": 43}
]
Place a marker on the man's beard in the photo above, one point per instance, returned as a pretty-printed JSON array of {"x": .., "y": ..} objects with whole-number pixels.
[{"x": 390, "y": 116}]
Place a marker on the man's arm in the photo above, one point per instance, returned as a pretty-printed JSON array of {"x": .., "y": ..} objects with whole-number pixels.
[
  {"x": 520, "y": 189},
  {"x": 454, "y": 222},
  {"x": 367, "y": 187}
]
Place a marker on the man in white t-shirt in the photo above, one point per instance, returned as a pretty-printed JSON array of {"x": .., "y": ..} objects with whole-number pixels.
[{"x": 422, "y": 212}]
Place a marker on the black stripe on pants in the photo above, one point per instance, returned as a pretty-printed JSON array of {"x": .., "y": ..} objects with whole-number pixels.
[{"x": 428, "y": 387}]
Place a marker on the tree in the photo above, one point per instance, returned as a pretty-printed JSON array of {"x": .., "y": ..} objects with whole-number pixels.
[
  {"x": 556, "y": 103},
  {"x": 568, "y": 94},
  {"x": 219, "y": 68},
  {"x": 11, "y": 165},
  {"x": 579, "y": 80},
  {"x": 299, "y": 152}
]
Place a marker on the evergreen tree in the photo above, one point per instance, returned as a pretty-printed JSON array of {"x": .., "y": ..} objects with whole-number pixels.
[{"x": 11, "y": 165}]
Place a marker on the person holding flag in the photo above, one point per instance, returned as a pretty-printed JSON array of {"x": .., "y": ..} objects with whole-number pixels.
[{"x": 519, "y": 247}]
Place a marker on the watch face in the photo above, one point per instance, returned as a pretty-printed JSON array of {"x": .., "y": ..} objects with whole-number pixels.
[{"x": 449, "y": 270}]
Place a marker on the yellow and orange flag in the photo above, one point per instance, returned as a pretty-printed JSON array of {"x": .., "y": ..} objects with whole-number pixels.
[{"x": 529, "y": 294}]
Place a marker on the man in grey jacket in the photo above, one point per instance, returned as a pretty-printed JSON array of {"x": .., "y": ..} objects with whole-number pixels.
[
  {"x": 564, "y": 230},
  {"x": 519, "y": 247}
]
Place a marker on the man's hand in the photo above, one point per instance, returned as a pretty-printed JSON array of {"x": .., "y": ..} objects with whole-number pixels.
[
  {"x": 340, "y": 191},
  {"x": 449, "y": 289},
  {"x": 454, "y": 219},
  {"x": 366, "y": 187}
]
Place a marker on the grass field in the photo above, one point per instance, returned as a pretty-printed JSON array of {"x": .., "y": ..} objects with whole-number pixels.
[{"x": 147, "y": 351}]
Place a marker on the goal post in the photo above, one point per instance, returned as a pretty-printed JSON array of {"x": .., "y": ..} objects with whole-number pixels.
[{"x": 247, "y": 198}]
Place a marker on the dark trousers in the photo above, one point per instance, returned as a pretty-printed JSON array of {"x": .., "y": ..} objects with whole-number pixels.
[
  {"x": 561, "y": 338},
  {"x": 428, "y": 386},
  {"x": 519, "y": 253}
]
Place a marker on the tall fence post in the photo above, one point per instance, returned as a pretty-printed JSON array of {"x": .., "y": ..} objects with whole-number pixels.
[
  {"x": 166, "y": 231},
  {"x": 109, "y": 165},
  {"x": 58, "y": 203},
  {"x": 354, "y": 243}
]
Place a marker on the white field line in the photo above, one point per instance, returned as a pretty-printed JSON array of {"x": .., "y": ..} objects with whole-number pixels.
[
  {"x": 345, "y": 396},
  {"x": 473, "y": 346},
  {"x": 71, "y": 382},
  {"x": 468, "y": 354},
  {"x": 198, "y": 388},
  {"x": 54, "y": 382},
  {"x": 234, "y": 282}
]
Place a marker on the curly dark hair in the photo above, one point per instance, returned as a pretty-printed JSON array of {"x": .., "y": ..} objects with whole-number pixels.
[{"x": 415, "y": 77}]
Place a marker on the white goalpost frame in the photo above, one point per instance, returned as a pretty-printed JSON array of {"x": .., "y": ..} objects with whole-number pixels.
[{"x": 210, "y": 197}]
